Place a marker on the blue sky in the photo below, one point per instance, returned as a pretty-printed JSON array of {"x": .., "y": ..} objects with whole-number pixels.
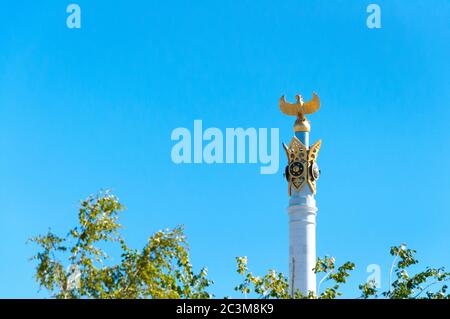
[{"x": 94, "y": 108}]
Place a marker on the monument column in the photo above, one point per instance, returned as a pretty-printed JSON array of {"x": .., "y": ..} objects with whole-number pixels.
[{"x": 302, "y": 173}]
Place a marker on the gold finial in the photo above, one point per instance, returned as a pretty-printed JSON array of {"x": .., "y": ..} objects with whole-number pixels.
[
  {"x": 301, "y": 124},
  {"x": 299, "y": 109}
]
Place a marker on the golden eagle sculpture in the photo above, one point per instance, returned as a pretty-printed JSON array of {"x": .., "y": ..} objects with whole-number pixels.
[{"x": 299, "y": 109}]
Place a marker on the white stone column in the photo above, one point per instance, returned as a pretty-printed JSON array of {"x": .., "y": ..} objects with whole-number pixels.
[
  {"x": 302, "y": 212},
  {"x": 302, "y": 241}
]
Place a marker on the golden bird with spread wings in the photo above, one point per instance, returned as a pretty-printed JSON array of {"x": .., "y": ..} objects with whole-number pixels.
[{"x": 300, "y": 107}]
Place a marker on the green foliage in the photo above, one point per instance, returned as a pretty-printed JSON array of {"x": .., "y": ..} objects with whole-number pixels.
[
  {"x": 335, "y": 276},
  {"x": 75, "y": 266},
  {"x": 368, "y": 289},
  {"x": 275, "y": 285},
  {"x": 271, "y": 285},
  {"x": 160, "y": 270},
  {"x": 406, "y": 286}
]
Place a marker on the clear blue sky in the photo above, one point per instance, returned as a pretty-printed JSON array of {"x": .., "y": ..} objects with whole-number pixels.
[{"x": 90, "y": 109}]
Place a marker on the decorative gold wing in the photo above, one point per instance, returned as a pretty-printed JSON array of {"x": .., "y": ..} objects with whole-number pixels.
[
  {"x": 313, "y": 153},
  {"x": 296, "y": 152},
  {"x": 288, "y": 108},
  {"x": 311, "y": 106}
]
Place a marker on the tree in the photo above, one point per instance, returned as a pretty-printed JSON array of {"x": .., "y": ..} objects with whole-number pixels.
[
  {"x": 161, "y": 269},
  {"x": 75, "y": 266},
  {"x": 405, "y": 286},
  {"x": 275, "y": 284}
]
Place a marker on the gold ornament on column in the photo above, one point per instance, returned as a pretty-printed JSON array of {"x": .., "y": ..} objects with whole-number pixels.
[
  {"x": 299, "y": 109},
  {"x": 302, "y": 167}
]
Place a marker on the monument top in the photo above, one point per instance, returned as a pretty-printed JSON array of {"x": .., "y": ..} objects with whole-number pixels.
[{"x": 299, "y": 109}]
